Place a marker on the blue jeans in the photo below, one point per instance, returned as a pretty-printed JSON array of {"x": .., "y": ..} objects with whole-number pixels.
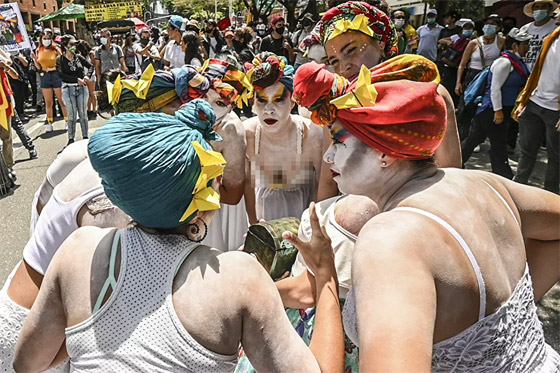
[
  {"x": 534, "y": 123},
  {"x": 76, "y": 98}
]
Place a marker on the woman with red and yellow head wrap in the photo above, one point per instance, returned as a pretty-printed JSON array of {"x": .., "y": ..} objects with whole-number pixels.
[
  {"x": 440, "y": 277},
  {"x": 355, "y": 34}
]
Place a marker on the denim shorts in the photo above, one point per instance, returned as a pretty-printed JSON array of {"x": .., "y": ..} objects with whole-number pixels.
[{"x": 50, "y": 79}]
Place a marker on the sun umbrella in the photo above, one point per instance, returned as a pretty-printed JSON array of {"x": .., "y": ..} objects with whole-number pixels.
[
  {"x": 70, "y": 11},
  {"x": 138, "y": 24}
]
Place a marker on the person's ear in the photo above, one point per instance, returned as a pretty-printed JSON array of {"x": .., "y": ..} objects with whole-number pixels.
[{"x": 386, "y": 161}]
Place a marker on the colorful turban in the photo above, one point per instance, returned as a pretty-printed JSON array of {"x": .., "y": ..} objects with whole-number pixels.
[
  {"x": 360, "y": 16},
  {"x": 231, "y": 83},
  {"x": 158, "y": 168},
  {"x": 268, "y": 69},
  {"x": 394, "y": 107}
]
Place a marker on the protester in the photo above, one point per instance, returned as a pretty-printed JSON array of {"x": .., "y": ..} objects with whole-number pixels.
[
  {"x": 429, "y": 35},
  {"x": 508, "y": 75},
  {"x": 406, "y": 255},
  {"x": 508, "y": 23},
  {"x": 85, "y": 50},
  {"x": 307, "y": 24},
  {"x": 145, "y": 51},
  {"x": 228, "y": 38},
  {"x": 130, "y": 59},
  {"x": 276, "y": 43},
  {"x": 365, "y": 48},
  {"x": 191, "y": 46},
  {"x": 479, "y": 54},
  {"x": 284, "y": 150},
  {"x": 398, "y": 19},
  {"x": 538, "y": 114},
  {"x": 241, "y": 44},
  {"x": 108, "y": 55},
  {"x": 212, "y": 40},
  {"x": 541, "y": 11},
  {"x": 51, "y": 84},
  {"x": 170, "y": 228},
  {"x": 174, "y": 55},
  {"x": 410, "y": 31},
  {"x": 74, "y": 70},
  {"x": 6, "y": 114},
  {"x": 454, "y": 46}
]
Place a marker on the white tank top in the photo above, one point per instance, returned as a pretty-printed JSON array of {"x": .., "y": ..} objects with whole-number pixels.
[
  {"x": 137, "y": 329},
  {"x": 491, "y": 54},
  {"x": 57, "y": 221}
]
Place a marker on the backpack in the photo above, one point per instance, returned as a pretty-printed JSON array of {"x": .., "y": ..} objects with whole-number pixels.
[
  {"x": 454, "y": 53},
  {"x": 475, "y": 90}
]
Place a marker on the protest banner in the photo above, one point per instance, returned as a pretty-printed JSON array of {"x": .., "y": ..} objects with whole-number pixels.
[
  {"x": 13, "y": 34},
  {"x": 98, "y": 11}
]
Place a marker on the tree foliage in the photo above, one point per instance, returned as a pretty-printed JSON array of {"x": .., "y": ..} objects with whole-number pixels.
[{"x": 473, "y": 9}]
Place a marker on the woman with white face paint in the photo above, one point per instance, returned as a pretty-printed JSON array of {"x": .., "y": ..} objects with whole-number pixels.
[
  {"x": 284, "y": 150},
  {"x": 462, "y": 293},
  {"x": 223, "y": 86},
  {"x": 357, "y": 34}
]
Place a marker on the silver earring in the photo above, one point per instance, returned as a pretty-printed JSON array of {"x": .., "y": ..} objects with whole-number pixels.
[{"x": 384, "y": 163}]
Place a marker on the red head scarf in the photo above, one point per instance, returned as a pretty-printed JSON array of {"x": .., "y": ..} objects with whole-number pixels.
[{"x": 408, "y": 117}]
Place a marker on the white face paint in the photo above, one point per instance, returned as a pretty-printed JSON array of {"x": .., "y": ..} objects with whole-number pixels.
[
  {"x": 317, "y": 54},
  {"x": 352, "y": 162},
  {"x": 273, "y": 105},
  {"x": 220, "y": 106}
]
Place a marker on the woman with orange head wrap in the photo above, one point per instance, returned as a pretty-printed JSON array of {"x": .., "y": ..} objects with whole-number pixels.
[
  {"x": 355, "y": 34},
  {"x": 440, "y": 277}
]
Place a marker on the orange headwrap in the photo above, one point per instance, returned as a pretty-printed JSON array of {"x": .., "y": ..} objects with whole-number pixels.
[{"x": 394, "y": 108}]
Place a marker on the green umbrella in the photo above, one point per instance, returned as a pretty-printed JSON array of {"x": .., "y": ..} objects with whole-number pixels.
[{"x": 70, "y": 11}]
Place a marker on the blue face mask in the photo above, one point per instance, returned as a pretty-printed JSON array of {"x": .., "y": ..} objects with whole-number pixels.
[
  {"x": 489, "y": 29},
  {"x": 540, "y": 15},
  {"x": 468, "y": 33},
  {"x": 431, "y": 21}
]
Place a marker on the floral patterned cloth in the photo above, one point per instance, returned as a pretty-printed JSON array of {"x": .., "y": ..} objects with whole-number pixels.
[{"x": 303, "y": 321}]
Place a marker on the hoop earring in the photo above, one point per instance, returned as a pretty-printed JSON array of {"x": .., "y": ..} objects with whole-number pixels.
[{"x": 196, "y": 230}]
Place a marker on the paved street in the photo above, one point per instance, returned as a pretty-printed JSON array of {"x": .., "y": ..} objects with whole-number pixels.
[{"x": 15, "y": 210}]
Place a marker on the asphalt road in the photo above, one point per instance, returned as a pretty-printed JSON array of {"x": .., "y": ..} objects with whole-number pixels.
[{"x": 15, "y": 209}]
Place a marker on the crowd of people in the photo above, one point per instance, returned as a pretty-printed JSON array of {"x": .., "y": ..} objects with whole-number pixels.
[{"x": 352, "y": 132}]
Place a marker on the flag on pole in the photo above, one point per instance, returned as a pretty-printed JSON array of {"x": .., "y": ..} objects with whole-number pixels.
[{"x": 224, "y": 23}]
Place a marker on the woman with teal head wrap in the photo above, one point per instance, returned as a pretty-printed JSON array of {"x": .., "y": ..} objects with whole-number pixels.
[{"x": 148, "y": 164}]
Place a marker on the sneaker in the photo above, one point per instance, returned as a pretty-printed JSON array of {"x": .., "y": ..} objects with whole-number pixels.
[
  {"x": 12, "y": 174},
  {"x": 66, "y": 126},
  {"x": 49, "y": 128},
  {"x": 33, "y": 154},
  {"x": 477, "y": 149}
]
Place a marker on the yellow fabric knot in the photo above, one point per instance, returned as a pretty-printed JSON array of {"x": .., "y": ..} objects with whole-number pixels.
[
  {"x": 141, "y": 86},
  {"x": 364, "y": 95},
  {"x": 205, "y": 198},
  {"x": 114, "y": 90},
  {"x": 359, "y": 23}
]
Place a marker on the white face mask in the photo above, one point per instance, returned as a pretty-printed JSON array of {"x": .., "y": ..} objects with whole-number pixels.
[
  {"x": 399, "y": 23},
  {"x": 103, "y": 41},
  {"x": 47, "y": 42}
]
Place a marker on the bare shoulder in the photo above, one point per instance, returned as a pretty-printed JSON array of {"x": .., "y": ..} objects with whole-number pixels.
[
  {"x": 232, "y": 126},
  {"x": 250, "y": 126}
]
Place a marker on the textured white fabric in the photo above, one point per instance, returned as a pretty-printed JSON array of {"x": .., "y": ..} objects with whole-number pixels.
[
  {"x": 57, "y": 221},
  {"x": 535, "y": 44},
  {"x": 509, "y": 340},
  {"x": 174, "y": 54},
  {"x": 229, "y": 225},
  {"x": 491, "y": 53},
  {"x": 548, "y": 89},
  {"x": 137, "y": 330}
]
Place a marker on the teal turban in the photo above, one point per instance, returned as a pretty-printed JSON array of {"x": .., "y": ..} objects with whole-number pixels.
[{"x": 147, "y": 162}]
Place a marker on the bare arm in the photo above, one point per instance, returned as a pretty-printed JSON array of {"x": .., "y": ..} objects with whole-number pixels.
[
  {"x": 297, "y": 292},
  {"x": 97, "y": 64},
  {"x": 42, "y": 335},
  {"x": 539, "y": 212},
  {"x": 395, "y": 299},
  {"x": 448, "y": 154}
]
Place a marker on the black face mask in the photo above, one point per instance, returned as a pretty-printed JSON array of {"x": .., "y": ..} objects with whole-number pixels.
[
  {"x": 144, "y": 42},
  {"x": 280, "y": 30},
  {"x": 208, "y": 31},
  {"x": 237, "y": 45}
]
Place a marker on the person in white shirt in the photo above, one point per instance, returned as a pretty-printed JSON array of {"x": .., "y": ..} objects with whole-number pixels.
[
  {"x": 542, "y": 26},
  {"x": 174, "y": 55}
]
